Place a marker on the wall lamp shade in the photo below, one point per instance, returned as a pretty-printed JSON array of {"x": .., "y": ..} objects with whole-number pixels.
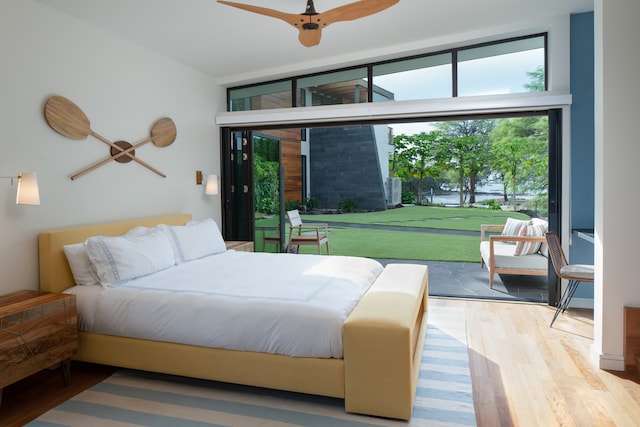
[
  {"x": 28, "y": 192},
  {"x": 211, "y": 186}
]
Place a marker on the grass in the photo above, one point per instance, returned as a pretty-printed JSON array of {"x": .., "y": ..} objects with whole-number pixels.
[
  {"x": 410, "y": 245},
  {"x": 465, "y": 219}
]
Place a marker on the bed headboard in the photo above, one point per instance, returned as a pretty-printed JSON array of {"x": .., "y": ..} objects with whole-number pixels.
[{"x": 55, "y": 274}]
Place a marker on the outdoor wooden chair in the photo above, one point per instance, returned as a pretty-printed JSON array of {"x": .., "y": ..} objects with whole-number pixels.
[
  {"x": 306, "y": 234},
  {"x": 574, "y": 273}
]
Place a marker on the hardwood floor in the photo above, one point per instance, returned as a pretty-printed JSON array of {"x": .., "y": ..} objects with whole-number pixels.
[
  {"x": 29, "y": 398},
  {"x": 524, "y": 373},
  {"x": 527, "y": 374}
]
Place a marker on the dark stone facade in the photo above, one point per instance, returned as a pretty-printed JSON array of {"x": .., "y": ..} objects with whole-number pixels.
[{"x": 344, "y": 164}]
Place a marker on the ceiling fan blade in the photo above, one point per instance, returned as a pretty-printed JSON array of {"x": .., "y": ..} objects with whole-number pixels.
[
  {"x": 290, "y": 18},
  {"x": 353, "y": 11}
]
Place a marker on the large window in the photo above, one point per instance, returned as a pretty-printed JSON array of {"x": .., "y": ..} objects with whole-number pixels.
[{"x": 496, "y": 68}]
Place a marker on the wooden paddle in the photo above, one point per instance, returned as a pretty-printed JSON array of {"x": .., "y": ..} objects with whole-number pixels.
[
  {"x": 69, "y": 120},
  {"x": 163, "y": 133}
]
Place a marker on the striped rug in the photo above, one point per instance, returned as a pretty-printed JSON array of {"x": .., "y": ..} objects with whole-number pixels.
[{"x": 134, "y": 398}]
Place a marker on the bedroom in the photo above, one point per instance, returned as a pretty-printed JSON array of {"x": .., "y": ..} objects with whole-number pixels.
[{"x": 123, "y": 88}]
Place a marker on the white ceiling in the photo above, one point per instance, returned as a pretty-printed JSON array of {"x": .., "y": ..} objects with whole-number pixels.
[{"x": 235, "y": 45}]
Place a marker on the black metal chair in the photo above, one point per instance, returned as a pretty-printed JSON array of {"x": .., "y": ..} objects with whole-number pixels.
[{"x": 574, "y": 273}]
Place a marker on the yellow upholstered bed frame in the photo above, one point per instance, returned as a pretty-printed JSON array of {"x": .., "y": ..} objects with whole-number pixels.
[{"x": 383, "y": 338}]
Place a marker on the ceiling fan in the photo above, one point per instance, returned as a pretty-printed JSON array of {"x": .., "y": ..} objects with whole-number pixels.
[{"x": 310, "y": 23}]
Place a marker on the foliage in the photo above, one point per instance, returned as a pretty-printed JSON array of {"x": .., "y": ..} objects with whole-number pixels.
[
  {"x": 266, "y": 147},
  {"x": 407, "y": 197},
  {"x": 520, "y": 154},
  {"x": 311, "y": 203},
  {"x": 491, "y": 204},
  {"x": 468, "y": 151},
  {"x": 536, "y": 82},
  {"x": 291, "y": 205},
  {"x": 413, "y": 157},
  {"x": 266, "y": 185},
  {"x": 348, "y": 204}
]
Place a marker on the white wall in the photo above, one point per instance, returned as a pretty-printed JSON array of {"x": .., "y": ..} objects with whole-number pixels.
[
  {"x": 616, "y": 156},
  {"x": 123, "y": 89}
]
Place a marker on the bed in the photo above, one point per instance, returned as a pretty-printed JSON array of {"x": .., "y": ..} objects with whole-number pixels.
[{"x": 382, "y": 337}]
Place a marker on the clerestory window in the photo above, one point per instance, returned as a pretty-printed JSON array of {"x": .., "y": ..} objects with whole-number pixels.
[{"x": 494, "y": 68}]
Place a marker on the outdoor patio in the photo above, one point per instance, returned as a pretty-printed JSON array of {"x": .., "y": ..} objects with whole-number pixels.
[{"x": 469, "y": 280}]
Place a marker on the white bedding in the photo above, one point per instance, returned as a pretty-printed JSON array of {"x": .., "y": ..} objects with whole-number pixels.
[{"x": 290, "y": 304}]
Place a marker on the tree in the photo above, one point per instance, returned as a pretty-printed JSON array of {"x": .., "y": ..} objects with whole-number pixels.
[
  {"x": 520, "y": 154},
  {"x": 413, "y": 157},
  {"x": 468, "y": 151},
  {"x": 536, "y": 82}
]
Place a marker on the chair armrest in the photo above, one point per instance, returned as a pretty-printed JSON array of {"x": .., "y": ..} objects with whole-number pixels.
[
  {"x": 516, "y": 239},
  {"x": 489, "y": 227},
  {"x": 316, "y": 226}
]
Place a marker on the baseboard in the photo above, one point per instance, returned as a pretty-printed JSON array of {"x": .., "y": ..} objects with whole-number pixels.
[
  {"x": 608, "y": 362},
  {"x": 581, "y": 303}
]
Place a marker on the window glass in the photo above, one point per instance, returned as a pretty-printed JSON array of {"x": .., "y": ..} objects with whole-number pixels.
[
  {"x": 341, "y": 87},
  {"x": 513, "y": 66},
  {"x": 261, "y": 97},
  {"x": 502, "y": 68},
  {"x": 419, "y": 78}
]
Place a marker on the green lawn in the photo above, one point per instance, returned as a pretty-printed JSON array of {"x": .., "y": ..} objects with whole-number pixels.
[
  {"x": 467, "y": 219},
  {"x": 401, "y": 245},
  {"x": 406, "y": 244}
]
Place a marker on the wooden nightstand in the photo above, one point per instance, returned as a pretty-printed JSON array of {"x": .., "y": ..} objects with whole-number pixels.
[
  {"x": 238, "y": 245},
  {"x": 37, "y": 331}
]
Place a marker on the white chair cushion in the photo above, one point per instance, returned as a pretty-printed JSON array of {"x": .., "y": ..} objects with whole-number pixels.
[
  {"x": 578, "y": 271},
  {"x": 505, "y": 258}
]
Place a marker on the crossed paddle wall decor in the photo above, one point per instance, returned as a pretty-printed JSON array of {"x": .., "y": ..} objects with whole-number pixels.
[{"x": 69, "y": 120}]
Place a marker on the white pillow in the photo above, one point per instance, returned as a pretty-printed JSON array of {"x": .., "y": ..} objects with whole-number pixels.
[
  {"x": 195, "y": 240},
  {"x": 119, "y": 259},
  {"x": 81, "y": 268}
]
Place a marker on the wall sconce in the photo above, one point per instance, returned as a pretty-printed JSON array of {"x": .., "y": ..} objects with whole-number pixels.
[
  {"x": 28, "y": 193},
  {"x": 211, "y": 185}
]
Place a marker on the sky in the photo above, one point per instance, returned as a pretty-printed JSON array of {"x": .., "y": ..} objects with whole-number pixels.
[{"x": 501, "y": 74}]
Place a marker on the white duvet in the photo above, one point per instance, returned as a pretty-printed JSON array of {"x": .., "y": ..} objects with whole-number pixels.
[{"x": 290, "y": 304}]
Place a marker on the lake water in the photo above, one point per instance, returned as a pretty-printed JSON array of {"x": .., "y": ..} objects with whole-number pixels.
[{"x": 490, "y": 191}]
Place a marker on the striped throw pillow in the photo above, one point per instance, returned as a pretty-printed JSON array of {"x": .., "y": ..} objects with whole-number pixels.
[
  {"x": 528, "y": 248},
  {"x": 515, "y": 227}
]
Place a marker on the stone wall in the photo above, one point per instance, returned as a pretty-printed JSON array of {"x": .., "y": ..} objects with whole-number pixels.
[{"x": 344, "y": 164}]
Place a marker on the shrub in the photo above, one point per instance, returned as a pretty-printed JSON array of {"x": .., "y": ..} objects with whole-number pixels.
[
  {"x": 407, "y": 197},
  {"x": 311, "y": 203},
  {"x": 291, "y": 205},
  {"x": 348, "y": 205},
  {"x": 491, "y": 204}
]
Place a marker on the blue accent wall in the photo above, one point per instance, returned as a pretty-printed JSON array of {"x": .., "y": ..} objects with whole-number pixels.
[{"x": 582, "y": 140}]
